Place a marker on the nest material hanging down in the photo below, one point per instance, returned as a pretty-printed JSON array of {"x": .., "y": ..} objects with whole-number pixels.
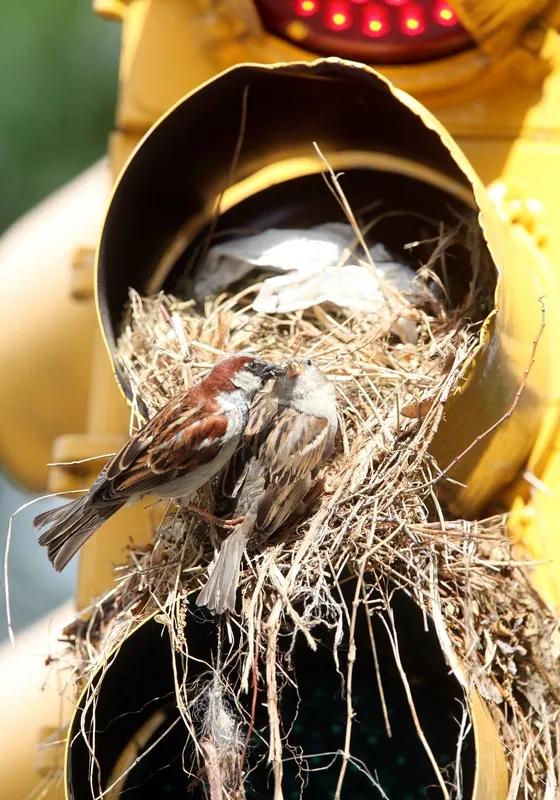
[{"x": 379, "y": 519}]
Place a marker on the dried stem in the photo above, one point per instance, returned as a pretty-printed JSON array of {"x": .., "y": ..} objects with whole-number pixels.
[{"x": 392, "y": 634}]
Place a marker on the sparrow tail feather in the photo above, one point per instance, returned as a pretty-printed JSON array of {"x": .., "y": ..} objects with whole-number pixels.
[
  {"x": 220, "y": 590},
  {"x": 70, "y": 526}
]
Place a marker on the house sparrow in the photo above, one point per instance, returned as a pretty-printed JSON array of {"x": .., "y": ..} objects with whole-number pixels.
[
  {"x": 174, "y": 454},
  {"x": 290, "y": 434}
]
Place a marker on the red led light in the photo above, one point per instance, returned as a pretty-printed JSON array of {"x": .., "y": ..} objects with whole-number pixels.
[
  {"x": 306, "y": 8},
  {"x": 339, "y": 17},
  {"x": 375, "y": 21},
  {"x": 371, "y": 31},
  {"x": 412, "y": 20},
  {"x": 444, "y": 15}
]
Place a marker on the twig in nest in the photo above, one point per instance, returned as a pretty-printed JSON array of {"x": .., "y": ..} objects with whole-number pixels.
[
  {"x": 233, "y": 166},
  {"x": 507, "y": 414},
  {"x": 351, "y": 658},
  {"x": 376, "y": 666},
  {"x": 393, "y": 639},
  {"x": 7, "y": 553},
  {"x": 275, "y": 743},
  {"x": 392, "y": 295}
]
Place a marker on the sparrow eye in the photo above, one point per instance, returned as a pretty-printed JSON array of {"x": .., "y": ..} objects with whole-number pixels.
[{"x": 308, "y": 362}]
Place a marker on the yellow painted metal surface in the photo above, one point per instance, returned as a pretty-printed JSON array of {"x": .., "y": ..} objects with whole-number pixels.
[
  {"x": 495, "y": 377},
  {"x": 496, "y": 25},
  {"x": 514, "y": 138},
  {"x": 513, "y": 128},
  {"x": 171, "y": 46},
  {"x": 47, "y": 334},
  {"x": 490, "y": 770},
  {"x": 504, "y": 113},
  {"x": 501, "y": 102},
  {"x": 107, "y": 425},
  {"x": 511, "y": 132},
  {"x": 491, "y": 774},
  {"x": 492, "y": 383},
  {"x": 107, "y": 549},
  {"x": 31, "y": 703}
]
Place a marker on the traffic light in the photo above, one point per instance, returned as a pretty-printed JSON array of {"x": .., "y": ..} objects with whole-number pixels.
[
  {"x": 388, "y": 145},
  {"x": 488, "y": 72}
]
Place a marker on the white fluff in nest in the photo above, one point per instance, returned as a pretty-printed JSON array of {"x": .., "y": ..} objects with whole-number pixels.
[
  {"x": 219, "y": 723},
  {"x": 311, "y": 270}
]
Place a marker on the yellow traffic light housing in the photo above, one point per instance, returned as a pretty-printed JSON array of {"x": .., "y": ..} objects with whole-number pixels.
[
  {"x": 354, "y": 141},
  {"x": 166, "y": 196},
  {"x": 191, "y": 41},
  {"x": 499, "y": 99}
]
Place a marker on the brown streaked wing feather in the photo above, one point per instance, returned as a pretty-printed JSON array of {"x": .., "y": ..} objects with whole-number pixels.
[
  {"x": 195, "y": 443},
  {"x": 169, "y": 445},
  {"x": 263, "y": 412},
  {"x": 295, "y": 450},
  {"x": 136, "y": 446},
  {"x": 261, "y": 418}
]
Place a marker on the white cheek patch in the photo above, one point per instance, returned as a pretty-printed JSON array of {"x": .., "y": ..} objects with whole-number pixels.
[{"x": 247, "y": 381}]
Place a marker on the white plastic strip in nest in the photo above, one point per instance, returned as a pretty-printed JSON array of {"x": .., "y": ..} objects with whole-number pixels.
[{"x": 311, "y": 269}]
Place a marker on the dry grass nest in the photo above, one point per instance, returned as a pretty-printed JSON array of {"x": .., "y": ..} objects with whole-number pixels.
[{"x": 379, "y": 523}]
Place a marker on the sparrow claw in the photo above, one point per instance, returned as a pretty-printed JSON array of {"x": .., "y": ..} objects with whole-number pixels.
[{"x": 211, "y": 519}]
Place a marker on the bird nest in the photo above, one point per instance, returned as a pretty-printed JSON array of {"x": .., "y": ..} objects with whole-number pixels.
[{"x": 376, "y": 530}]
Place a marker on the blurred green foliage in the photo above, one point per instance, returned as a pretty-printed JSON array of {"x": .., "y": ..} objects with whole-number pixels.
[{"x": 58, "y": 79}]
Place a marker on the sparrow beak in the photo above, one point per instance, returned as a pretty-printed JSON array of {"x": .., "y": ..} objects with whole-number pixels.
[
  {"x": 272, "y": 371},
  {"x": 294, "y": 368}
]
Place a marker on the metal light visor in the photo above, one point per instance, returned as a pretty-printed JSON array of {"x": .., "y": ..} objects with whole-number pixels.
[
  {"x": 143, "y": 748},
  {"x": 246, "y": 137}
]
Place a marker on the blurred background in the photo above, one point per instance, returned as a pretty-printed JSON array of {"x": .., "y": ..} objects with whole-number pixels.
[{"x": 58, "y": 68}]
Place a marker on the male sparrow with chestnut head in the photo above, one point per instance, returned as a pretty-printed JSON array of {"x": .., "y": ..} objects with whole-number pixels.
[
  {"x": 173, "y": 455},
  {"x": 290, "y": 434}
]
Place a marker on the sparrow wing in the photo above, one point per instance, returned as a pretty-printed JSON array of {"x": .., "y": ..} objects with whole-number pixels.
[
  {"x": 182, "y": 436},
  {"x": 261, "y": 419},
  {"x": 294, "y": 450}
]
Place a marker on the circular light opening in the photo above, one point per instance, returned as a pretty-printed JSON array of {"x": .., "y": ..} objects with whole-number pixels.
[{"x": 376, "y": 31}]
